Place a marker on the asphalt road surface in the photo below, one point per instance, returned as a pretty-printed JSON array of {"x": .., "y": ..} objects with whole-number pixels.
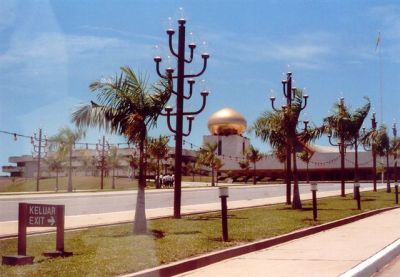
[{"x": 106, "y": 202}]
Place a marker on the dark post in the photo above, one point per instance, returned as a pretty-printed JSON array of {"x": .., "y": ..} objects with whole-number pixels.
[
  {"x": 395, "y": 153},
  {"x": 180, "y": 97},
  {"x": 396, "y": 190},
  {"x": 60, "y": 212},
  {"x": 373, "y": 122},
  {"x": 22, "y": 217},
  {"x": 314, "y": 188},
  {"x": 358, "y": 196},
  {"x": 224, "y": 194}
]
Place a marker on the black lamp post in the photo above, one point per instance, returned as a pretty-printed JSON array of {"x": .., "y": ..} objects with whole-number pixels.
[
  {"x": 314, "y": 188},
  {"x": 342, "y": 149},
  {"x": 396, "y": 185},
  {"x": 395, "y": 153},
  {"x": 180, "y": 97},
  {"x": 224, "y": 194},
  {"x": 289, "y": 92}
]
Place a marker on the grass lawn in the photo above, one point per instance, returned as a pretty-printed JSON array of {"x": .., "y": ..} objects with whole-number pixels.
[
  {"x": 109, "y": 251},
  {"x": 78, "y": 182}
]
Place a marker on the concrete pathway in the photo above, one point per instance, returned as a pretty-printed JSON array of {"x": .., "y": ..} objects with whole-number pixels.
[{"x": 329, "y": 253}]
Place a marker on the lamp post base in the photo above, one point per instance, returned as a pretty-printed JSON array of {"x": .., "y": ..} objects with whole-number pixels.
[{"x": 17, "y": 260}]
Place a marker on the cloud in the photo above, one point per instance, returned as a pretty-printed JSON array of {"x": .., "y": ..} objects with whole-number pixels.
[
  {"x": 305, "y": 50},
  {"x": 56, "y": 48}
]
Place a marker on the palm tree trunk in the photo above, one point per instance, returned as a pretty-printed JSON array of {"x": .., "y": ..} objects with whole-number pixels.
[
  {"x": 296, "y": 204},
  {"x": 70, "y": 171},
  {"x": 307, "y": 173},
  {"x": 212, "y": 176},
  {"x": 158, "y": 174},
  {"x": 140, "y": 224},
  {"x": 388, "y": 189},
  {"x": 374, "y": 167}
]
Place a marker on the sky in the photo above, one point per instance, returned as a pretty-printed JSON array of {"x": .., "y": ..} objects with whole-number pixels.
[{"x": 50, "y": 51}]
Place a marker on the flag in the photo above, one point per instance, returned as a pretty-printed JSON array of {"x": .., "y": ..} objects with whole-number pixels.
[{"x": 378, "y": 41}]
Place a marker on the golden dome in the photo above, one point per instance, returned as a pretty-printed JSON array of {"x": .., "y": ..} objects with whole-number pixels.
[{"x": 227, "y": 122}]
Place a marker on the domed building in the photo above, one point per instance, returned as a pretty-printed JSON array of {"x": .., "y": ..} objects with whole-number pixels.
[{"x": 226, "y": 127}]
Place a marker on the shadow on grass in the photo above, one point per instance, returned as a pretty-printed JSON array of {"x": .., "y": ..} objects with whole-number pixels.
[
  {"x": 185, "y": 233},
  {"x": 216, "y": 217}
]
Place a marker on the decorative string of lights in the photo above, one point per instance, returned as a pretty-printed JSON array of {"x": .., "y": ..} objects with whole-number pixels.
[{"x": 360, "y": 164}]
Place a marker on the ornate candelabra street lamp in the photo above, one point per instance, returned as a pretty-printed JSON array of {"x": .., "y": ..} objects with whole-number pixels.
[
  {"x": 39, "y": 148},
  {"x": 373, "y": 151},
  {"x": 308, "y": 154},
  {"x": 289, "y": 93},
  {"x": 180, "y": 97},
  {"x": 342, "y": 149}
]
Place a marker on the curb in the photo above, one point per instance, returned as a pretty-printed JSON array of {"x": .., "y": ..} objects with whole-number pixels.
[
  {"x": 214, "y": 257},
  {"x": 374, "y": 263}
]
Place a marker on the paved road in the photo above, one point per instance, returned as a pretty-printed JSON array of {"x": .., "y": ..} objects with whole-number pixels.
[
  {"x": 99, "y": 202},
  {"x": 391, "y": 270}
]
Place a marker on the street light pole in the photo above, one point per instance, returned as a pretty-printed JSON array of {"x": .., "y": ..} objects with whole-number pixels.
[
  {"x": 395, "y": 154},
  {"x": 102, "y": 154},
  {"x": 39, "y": 149},
  {"x": 180, "y": 97},
  {"x": 289, "y": 93}
]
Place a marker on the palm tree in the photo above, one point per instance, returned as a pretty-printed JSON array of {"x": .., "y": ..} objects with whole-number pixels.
[
  {"x": 379, "y": 139},
  {"x": 55, "y": 164},
  {"x": 245, "y": 165},
  {"x": 275, "y": 128},
  {"x": 64, "y": 142},
  {"x": 305, "y": 157},
  {"x": 345, "y": 126},
  {"x": 133, "y": 164},
  {"x": 218, "y": 164},
  {"x": 86, "y": 160},
  {"x": 158, "y": 148},
  {"x": 113, "y": 161},
  {"x": 253, "y": 155},
  {"x": 207, "y": 156},
  {"x": 126, "y": 107}
]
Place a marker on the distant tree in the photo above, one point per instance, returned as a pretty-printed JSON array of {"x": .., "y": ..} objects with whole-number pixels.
[
  {"x": 305, "y": 157},
  {"x": 245, "y": 166},
  {"x": 207, "y": 156},
  {"x": 55, "y": 164},
  {"x": 379, "y": 138},
  {"x": 253, "y": 155},
  {"x": 113, "y": 162},
  {"x": 218, "y": 164},
  {"x": 158, "y": 148},
  {"x": 64, "y": 142}
]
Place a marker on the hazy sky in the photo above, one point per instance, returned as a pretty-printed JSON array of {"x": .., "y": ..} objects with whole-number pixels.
[{"x": 50, "y": 51}]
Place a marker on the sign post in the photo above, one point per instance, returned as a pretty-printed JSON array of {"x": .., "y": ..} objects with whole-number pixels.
[{"x": 38, "y": 215}]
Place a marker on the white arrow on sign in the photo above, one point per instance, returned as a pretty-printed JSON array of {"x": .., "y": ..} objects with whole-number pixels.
[{"x": 51, "y": 220}]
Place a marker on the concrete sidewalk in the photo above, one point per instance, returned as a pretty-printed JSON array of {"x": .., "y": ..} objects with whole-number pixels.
[
  {"x": 10, "y": 228},
  {"x": 329, "y": 253}
]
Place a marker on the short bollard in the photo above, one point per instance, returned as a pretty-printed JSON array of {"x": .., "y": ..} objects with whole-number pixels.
[
  {"x": 314, "y": 188},
  {"x": 223, "y": 194},
  {"x": 396, "y": 191},
  {"x": 358, "y": 196}
]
